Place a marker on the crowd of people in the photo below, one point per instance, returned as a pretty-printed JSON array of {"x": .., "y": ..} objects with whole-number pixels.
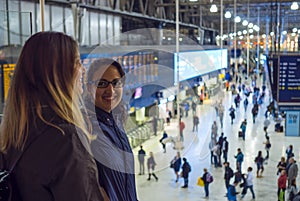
[{"x": 69, "y": 137}]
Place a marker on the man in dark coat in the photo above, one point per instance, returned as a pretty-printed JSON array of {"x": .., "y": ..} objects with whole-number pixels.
[{"x": 186, "y": 169}]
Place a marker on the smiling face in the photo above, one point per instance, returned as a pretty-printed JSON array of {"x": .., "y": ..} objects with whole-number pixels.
[{"x": 109, "y": 97}]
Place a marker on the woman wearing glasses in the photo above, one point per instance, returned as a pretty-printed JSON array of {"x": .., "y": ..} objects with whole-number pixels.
[{"x": 107, "y": 114}]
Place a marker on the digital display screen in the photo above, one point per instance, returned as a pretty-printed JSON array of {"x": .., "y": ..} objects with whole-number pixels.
[
  {"x": 195, "y": 63},
  {"x": 289, "y": 80}
]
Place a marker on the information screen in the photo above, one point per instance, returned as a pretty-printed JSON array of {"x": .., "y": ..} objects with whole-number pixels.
[
  {"x": 289, "y": 80},
  {"x": 194, "y": 63}
]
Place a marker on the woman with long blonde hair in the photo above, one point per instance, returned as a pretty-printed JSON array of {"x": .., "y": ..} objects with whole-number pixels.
[{"x": 43, "y": 123}]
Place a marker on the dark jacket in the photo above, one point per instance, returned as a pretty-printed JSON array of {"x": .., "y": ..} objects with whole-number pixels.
[
  {"x": 177, "y": 164},
  {"x": 113, "y": 156},
  {"x": 55, "y": 166},
  {"x": 186, "y": 168}
]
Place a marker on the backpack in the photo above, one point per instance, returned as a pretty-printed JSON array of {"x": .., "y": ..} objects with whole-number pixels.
[
  {"x": 189, "y": 167},
  {"x": 209, "y": 178},
  {"x": 230, "y": 173}
]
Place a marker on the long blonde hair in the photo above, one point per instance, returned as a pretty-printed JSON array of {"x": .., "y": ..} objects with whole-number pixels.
[{"x": 44, "y": 75}]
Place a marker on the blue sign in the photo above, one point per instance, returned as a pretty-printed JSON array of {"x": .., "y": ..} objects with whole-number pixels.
[
  {"x": 292, "y": 127},
  {"x": 289, "y": 80}
]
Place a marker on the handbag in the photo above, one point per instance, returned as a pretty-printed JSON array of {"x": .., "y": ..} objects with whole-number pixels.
[
  {"x": 200, "y": 182},
  {"x": 281, "y": 195}
]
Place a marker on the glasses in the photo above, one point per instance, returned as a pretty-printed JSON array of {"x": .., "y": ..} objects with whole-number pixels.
[{"x": 116, "y": 83}]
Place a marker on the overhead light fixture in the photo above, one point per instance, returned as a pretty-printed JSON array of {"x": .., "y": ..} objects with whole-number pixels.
[
  {"x": 213, "y": 8},
  {"x": 237, "y": 19},
  {"x": 256, "y": 28},
  {"x": 244, "y": 31},
  {"x": 294, "y": 6},
  {"x": 193, "y": 0},
  {"x": 295, "y": 30},
  {"x": 264, "y": 36},
  {"x": 272, "y": 33},
  {"x": 245, "y": 23},
  {"x": 227, "y": 15},
  {"x": 250, "y": 25},
  {"x": 284, "y": 32}
]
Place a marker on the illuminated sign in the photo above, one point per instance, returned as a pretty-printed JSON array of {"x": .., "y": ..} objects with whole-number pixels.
[{"x": 289, "y": 80}]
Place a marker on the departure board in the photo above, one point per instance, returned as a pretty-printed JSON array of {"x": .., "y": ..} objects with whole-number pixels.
[{"x": 289, "y": 80}]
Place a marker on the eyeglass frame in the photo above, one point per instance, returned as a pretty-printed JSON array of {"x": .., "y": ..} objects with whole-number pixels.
[{"x": 113, "y": 83}]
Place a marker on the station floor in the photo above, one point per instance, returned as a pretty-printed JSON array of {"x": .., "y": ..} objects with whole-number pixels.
[{"x": 197, "y": 152}]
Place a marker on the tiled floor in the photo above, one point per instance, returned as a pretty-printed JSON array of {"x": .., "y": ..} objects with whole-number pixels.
[{"x": 197, "y": 153}]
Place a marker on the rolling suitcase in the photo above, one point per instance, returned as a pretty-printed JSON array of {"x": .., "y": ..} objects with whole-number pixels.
[{"x": 240, "y": 133}]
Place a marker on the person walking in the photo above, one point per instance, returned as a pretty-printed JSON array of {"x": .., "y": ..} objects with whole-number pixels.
[
  {"x": 249, "y": 183},
  {"x": 293, "y": 190},
  {"x": 195, "y": 123},
  {"x": 225, "y": 148},
  {"x": 246, "y": 102},
  {"x": 243, "y": 128},
  {"x": 181, "y": 128},
  {"x": 281, "y": 165},
  {"x": 289, "y": 153},
  {"x": 254, "y": 112},
  {"x": 211, "y": 146},
  {"x": 43, "y": 121},
  {"x": 151, "y": 167},
  {"x": 228, "y": 174},
  {"x": 154, "y": 125},
  {"x": 281, "y": 183},
  {"x": 259, "y": 160},
  {"x": 292, "y": 171},
  {"x": 176, "y": 164},
  {"x": 220, "y": 143},
  {"x": 231, "y": 191},
  {"x": 239, "y": 159},
  {"x": 232, "y": 113},
  {"x": 214, "y": 131},
  {"x": 186, "y": 169},
  {"x": 165, "y": 135},
  {"x": 206, "y": 179},
  {"x": 141, "y": 157},
  {"x": 267, "y": 147}
]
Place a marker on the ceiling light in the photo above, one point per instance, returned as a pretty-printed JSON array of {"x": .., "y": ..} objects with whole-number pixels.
[
  {"x": 298, "y": 31},
  {"x": 250, "y": 30},
  {"x": 294, "y": 6},
  {"x": 272, "y": 33},
  {"x": 293, "y": 34},
  {"x": 227, "y": 15},
  {"x": 295, "y": 30},
  {"x": 256, "y": 28},
  {"x": 245, "y": 32},
  {"x": 213, "y": 8},
  {"x": 284, "y": 32},
  {"x": 251, "y": 36},
  {"x": 237, "y": 19},
  {"x": 250, "y": 25},
  {"x": 245, "y": 23},
  {"x": 264, "y": 36},
  {"x": 241, "y": 37},
  {"x": 193, "y": 0},
  {"x": 239, "y": 33}
]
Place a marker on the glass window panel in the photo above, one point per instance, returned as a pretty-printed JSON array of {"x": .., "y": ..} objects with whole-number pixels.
[
  {"x": 103, "y": 29},
  {"x": 57, "y": 18},
  {"x": 94, "y": 30},
  {"x": 69, "y": 23}
]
